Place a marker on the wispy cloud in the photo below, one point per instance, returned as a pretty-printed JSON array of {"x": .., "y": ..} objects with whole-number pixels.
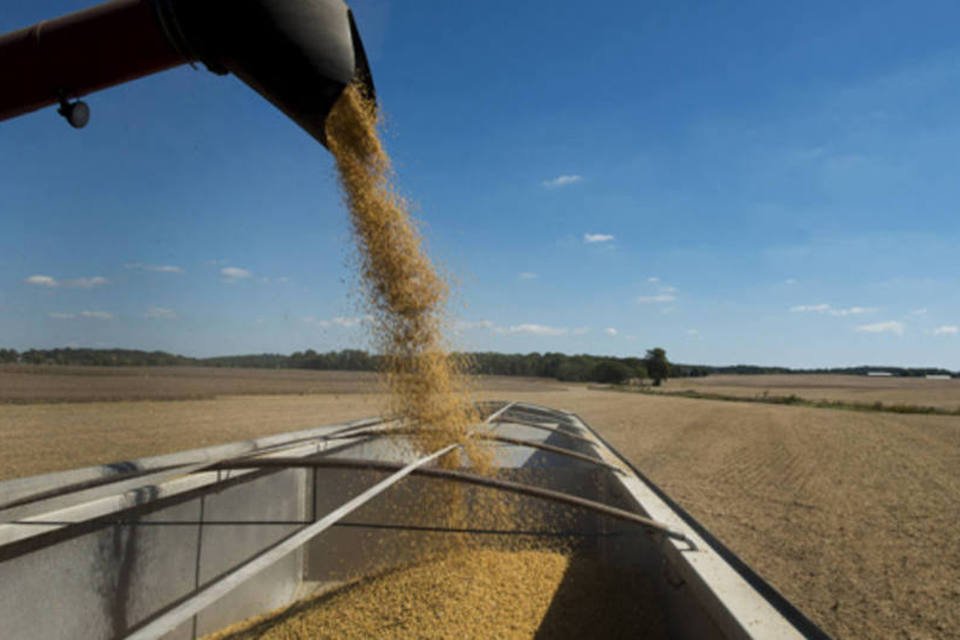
[
  {"x": 919, "y": 312},
  {"x": 50, "y": 282},
  {"x": 660, "y": 297},
  {"x": 233, "y": 274},
  {"x": 351, "y": 321},
  {"x": 892, "y": 326},
  {"x": 664, "y": 292},
  {"x": 86, "y": 283},
  {"x": 610, "y": 331},
  {"x": 694, "y": 333},
  {"x": 833, "y": 311},
  {"x": 317, "y": 322},
  {"x": 790, "y": 281},
  {"x": 947, "y": 330},
  {"x": 527, "y": 328},
  {"x": 466, "y": 325},
  {"x": 594, "y": 238},
  {"x": 94, "y": 315},
  {"x": 852, "y": 311},
  {"x": 98, "y": 315},
  {"x": 562, "y": 181},
  {"x": 42, "y": 281},
  {"x": 160, "y": 313},
  {"x": 528, "y": 275},
  {"x": 815, "y": 308},
  {"x": 155, "y": 268},
  {"x": 536, "y": 330},
  {"x": 346, "y": 322}
]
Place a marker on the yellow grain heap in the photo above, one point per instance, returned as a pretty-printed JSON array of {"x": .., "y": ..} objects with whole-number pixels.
[
  {"x": 480, "y": 594},
  {"x": 405, "y": 294}
]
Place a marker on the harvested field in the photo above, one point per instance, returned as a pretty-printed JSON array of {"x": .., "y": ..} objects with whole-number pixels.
[
  {"x": 944, "y": 394},
  {"x": 78, "y": 428},
  {"x": 30, "y": 384},
  {"x": 852, "y": 515}
]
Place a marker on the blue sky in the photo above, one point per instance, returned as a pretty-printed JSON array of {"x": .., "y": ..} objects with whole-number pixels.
[{"x": 771, "y": 183}]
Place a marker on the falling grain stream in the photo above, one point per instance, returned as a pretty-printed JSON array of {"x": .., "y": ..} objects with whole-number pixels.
[{"x": 458, "y": 588}]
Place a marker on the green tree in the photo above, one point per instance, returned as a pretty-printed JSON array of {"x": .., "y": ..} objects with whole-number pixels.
[
  {"x": 610, "y": 372},
  {"x": 658, "y": 367}
]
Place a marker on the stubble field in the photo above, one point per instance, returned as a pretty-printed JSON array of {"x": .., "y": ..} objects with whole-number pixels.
[
  {"x": 942, "y": 394},
  {"x": 852, "y": 515}
]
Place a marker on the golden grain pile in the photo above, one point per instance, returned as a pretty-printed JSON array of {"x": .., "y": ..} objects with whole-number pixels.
[{"x": 480, "y": 594}]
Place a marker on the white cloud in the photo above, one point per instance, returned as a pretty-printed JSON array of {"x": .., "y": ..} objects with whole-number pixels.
[
  {"x": 947, "y": 330},
  {"x": 528, "y": 275},
  {"x": 94, "y": 315},
  {"x": 693, "y": 333},
  {"x": 353, "y": 321},
  {"x": 536, "y": 330},
  {"x": 160, "y": 313},
  {"x": 233, "y": 274},
  {"x": 98, "y": 315},
  {"x": 790, "y": 281},
  {"x": 527, "y": 328},
  {"x": 86, "y": 283},
  {"x": 826, "y": 308},
  {"x": 817, "y": 308},
  {"x": 42, "y": 281},
  {"x": 316, "y": 321},
  {"x": 919, "y": 312},
  {"x": 653, "y": 280},
  {"x": 465, "y": 325},
  {"x": 77, "y": 283},
  {"x": 668, "y": 289},
  {"x": 593, "y": 238},
  {"x": 852, "y": 311},
  {"x": 610, "y": 331},
  {"x": 347, "y": 322},
  {"x": 660, "y": 297},
  {"x": 562, "y": 181},
  {"x": 156, "y": 268},
  {"x": 891, "y": 326}
]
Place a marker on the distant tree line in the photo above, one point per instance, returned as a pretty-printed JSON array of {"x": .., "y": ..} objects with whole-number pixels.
[
  {"x": 560, "y": 366},
  {"x": 99, "y": 357}
]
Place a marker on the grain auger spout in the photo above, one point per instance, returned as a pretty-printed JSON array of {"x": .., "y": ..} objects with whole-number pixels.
[{"x": 298, "y": 54}]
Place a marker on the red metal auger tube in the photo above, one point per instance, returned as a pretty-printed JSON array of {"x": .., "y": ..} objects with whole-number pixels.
[
  {"x": 298, "y": 54},
  {"x": 79, "y": 53}
]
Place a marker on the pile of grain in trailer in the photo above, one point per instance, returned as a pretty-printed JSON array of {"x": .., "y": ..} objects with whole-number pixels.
[{"x": 479, "y": 594}]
